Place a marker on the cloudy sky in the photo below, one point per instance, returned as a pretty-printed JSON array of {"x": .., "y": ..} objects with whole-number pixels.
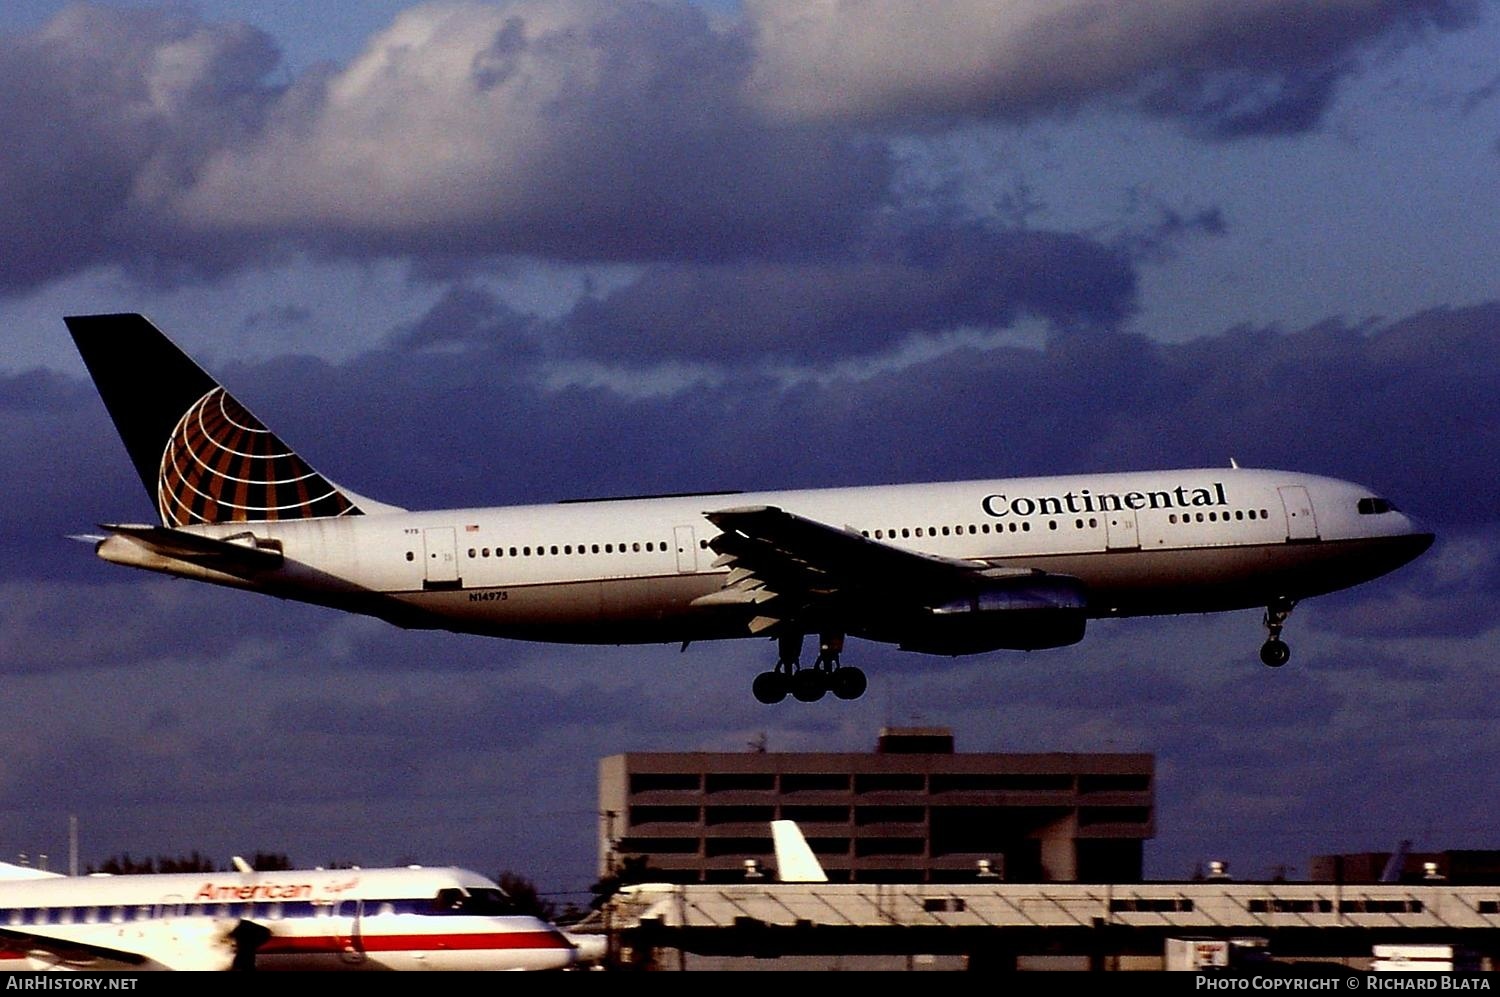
[{"x": 490, "y": 253}]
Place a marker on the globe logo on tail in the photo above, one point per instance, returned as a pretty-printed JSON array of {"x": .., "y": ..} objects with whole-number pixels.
[{"x": 222, "y": 465}]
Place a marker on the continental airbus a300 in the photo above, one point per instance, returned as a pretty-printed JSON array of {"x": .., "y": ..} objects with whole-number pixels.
[{"x": 948, "y": 568}]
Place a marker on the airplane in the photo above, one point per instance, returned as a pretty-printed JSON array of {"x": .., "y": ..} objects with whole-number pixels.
[
  {"x": 338, "y": 919},
  {"x": 945, "y": 568}
]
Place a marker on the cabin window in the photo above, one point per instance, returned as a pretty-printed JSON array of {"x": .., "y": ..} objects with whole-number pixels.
[
  {"x": 609, "y": 548},
  {"x": 596, "y": 548},
  {"x": 880, "y": 534},
  {"x": 636, "y": 547},
  {"x": 410, "y": 556},
  {"x": 905, "y": 532},
  {"x": 945, "y": 531},
  {"x": 554, "y": 549},
  {"x": 985, "y": 527},
  {"x": 512, "y": 552}
]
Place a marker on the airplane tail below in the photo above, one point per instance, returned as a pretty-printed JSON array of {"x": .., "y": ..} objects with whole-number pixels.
[
  {"x": 795, "y": 861},
  {"x": 201, "y": 455}
]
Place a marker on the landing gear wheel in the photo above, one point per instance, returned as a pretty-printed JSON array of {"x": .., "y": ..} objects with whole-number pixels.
[
  {"x": 809, "y": 685},
  {"x": 1274, "y": 653},
  {"x": 770, "y": 687},
  {"x": 848, "y": 683}
]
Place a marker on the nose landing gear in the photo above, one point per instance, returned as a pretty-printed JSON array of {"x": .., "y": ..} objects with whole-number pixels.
[
  {"x": 1274, "y": 652},
  {"x": 808, "y": 685}
]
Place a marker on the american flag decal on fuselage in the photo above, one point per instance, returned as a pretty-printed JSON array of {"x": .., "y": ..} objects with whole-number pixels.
[{"x": 222, "y": 465}]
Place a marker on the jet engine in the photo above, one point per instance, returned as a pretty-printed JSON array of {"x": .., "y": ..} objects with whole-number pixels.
[{"x": 1019, "y": 615}]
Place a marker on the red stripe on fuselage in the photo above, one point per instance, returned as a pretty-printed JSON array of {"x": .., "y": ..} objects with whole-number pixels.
[{"x": 471, "y": 941}]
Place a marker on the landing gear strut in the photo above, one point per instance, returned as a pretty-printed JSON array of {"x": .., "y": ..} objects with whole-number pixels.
[
  {"x": 1274, "y": 652},
  {"x": 808, "y": 685}
]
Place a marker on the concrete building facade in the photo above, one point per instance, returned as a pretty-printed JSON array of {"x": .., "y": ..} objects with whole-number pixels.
[{"x": 913, "y": 811}]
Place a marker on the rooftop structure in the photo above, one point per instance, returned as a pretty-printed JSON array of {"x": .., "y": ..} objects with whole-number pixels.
[{"x": 914, "y": 810}]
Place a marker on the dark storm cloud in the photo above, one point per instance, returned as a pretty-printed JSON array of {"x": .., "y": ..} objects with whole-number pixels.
[
  {"x": 927, "y": 278},
  {"x": 566, "y": 130},
  {"x": 570, "y": 131},
  {"x": 107, "y": 114},
  {"x": 594, "y": 131},
  {"x": 1226, "y": 69},
  {"x": 469, "y": 315}
]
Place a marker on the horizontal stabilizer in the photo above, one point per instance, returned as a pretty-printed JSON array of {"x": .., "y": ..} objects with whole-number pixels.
[{"x": 243, "y": 551}]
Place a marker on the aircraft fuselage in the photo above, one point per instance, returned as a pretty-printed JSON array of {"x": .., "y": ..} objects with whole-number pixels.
[{"x": 641, "y": 570}]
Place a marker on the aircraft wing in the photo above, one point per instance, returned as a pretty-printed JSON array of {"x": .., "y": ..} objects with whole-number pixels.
[
  {"x": 789, "y": 566},
  {"x": 187, "y": 943},
  {"x": 45, "y": 951}
]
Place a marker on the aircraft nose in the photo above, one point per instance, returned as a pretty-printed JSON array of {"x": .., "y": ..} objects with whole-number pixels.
[{"x": 1414, "y": 544}]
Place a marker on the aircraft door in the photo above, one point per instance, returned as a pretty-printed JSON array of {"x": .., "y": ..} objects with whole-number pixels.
[
  {"x": 687, "y": 550},
  {"x": 1120, "y": 530},
  {"x": 1300, "y": 522},
  {"x": 442, "y": 558},
  {"x": 352, "y": 945}
]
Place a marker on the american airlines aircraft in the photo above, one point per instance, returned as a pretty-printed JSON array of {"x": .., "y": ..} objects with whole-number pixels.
[
  {"x": 411, "y": 918},
  {"x": 947, "y": 568}
]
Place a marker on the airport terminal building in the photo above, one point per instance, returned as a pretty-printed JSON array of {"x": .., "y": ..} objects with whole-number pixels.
[{"x": 915, "y": 810}]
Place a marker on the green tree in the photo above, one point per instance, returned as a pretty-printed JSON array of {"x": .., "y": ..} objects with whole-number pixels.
[{"x": 523, "y": 894}]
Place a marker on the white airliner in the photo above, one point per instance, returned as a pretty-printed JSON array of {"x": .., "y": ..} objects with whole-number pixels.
[
  {"x": 947, "y": 568},
  {"x": 411, "y": 918}
]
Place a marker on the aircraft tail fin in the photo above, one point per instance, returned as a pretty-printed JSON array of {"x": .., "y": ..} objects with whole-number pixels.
[
  {"x": 795, "y": 861},
  {"x": 1396, "y": 864},
  {"x": 201, "y": 455}
]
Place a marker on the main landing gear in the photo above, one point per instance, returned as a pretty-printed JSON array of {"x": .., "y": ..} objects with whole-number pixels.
[
  {"x": 809, "y": 684},
  {"x": 1274, "y": 652}
]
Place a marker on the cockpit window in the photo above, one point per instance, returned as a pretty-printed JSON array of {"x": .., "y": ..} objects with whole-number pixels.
[
  {"x": 1375, "y": 506},
  {"x": 483, "y": 901}
]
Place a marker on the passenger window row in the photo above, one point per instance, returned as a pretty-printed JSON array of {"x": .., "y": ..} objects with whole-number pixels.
[
  {"x": 1218, "y": 517},
  {"x": 565, "y": 550}
]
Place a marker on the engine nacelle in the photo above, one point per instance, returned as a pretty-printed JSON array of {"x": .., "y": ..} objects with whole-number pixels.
[{"x": 1017, "y": 616}]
